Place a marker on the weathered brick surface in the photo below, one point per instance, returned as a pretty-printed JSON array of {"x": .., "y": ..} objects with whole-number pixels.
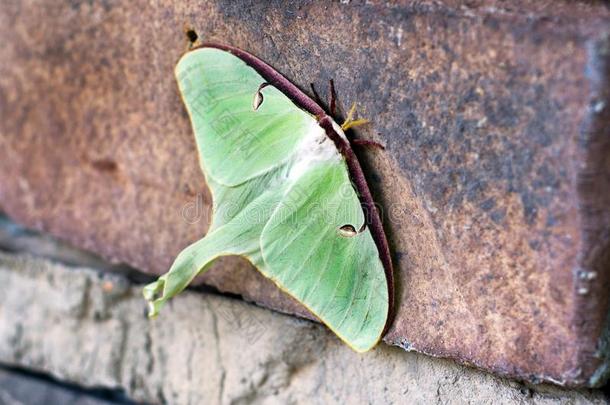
[{"x": 494, "y": 184}]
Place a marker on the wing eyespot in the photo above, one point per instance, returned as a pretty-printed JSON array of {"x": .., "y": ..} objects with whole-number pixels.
[
  {"x": 349, "y": 231},
  {"x": 258, "y": 96}
]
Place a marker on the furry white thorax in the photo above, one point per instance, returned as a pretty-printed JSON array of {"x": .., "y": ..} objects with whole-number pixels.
[
  {"x": 339, "y": 130},
  {"x": 316, "y": 147}
]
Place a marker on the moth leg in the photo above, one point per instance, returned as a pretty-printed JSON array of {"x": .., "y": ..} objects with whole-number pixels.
[
  {"x": 366, "y": 142},
  {"x": 350, "y": 122}
]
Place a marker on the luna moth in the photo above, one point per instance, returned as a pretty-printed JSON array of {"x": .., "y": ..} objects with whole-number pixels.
[{"x": 288, "y": 195}]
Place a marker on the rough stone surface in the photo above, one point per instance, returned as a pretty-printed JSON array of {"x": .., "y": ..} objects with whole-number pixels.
[
  {"x": 494, "y": 184},
  {"x": 89, "y": 328}
]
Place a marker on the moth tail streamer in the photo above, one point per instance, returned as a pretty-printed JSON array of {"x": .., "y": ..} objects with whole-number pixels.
[{"x": 191, "y": 262}]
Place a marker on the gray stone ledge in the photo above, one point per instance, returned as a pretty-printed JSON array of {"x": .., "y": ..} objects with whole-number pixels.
[
  {"x": 17, "y": 388},
  {"x": 90, "y": 328}
]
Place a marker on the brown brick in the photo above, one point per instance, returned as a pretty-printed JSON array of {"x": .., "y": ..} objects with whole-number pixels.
[{"x": 494, "y": 183}]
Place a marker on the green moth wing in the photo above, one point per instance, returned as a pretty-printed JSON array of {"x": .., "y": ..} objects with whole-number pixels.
[
  {"x": 218, "y": 89},
  {"x": 335, "y": 275},
  {"x": 282, "y": 198}
]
